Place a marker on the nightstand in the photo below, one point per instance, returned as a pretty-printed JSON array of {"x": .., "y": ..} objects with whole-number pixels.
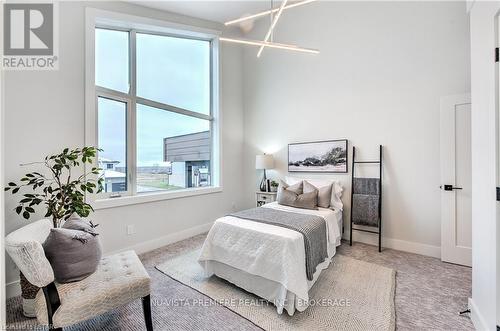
[{"x": 264, "y": 197}]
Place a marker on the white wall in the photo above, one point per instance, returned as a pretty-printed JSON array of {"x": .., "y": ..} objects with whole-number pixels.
[
  {"x": 2, "y": 204},
  {"x": 484, "y": 165},
  {"x": 379, "y": 77},
  {"x": 44, "y": 112}
]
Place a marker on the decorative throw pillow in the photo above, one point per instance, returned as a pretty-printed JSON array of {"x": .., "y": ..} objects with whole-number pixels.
[
  {"x": 324, "y": 193},
  {"x": 76, "y": 223},
  {"x": 73, "y": 254},
  {"x": 292, "y": 196},
  {"x": 296, "y": 188},
  {"x": 336, "y": 201}
]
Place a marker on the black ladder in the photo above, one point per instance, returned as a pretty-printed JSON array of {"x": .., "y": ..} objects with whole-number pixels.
[{"x": 379, "y": 162}]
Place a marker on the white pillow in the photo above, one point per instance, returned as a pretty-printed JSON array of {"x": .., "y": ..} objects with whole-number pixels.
[
  {"x": 335, "y": 202},
  {"x": 292, "y": 180}
]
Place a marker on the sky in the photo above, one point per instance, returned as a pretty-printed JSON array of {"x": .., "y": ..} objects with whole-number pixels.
[{"x": 170, "y": 70}]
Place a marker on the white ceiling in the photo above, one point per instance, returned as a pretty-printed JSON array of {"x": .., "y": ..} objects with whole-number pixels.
[{"x": 217, "y": 11}]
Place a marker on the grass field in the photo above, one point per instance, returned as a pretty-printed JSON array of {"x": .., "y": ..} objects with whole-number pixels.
[{"x": 154, "y": 182}]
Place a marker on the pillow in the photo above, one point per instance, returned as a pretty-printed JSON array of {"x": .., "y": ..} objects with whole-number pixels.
[
  {"x": 324, "y": 193},
  {"x": 292, "y": 180},
  {"x": 297, "y": 188},
  {"x": 73, "y": 254},
  {"x": 76, "y": 223},
  {"x": 335, "y": 202},
  {"x": 288, "y": 196}
]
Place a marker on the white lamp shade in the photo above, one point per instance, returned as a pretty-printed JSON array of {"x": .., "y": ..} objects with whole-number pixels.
[{"x": 265, "y": 161}]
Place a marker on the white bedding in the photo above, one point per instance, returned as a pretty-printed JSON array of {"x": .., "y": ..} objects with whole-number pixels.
[{"x": 267, "y": 252}]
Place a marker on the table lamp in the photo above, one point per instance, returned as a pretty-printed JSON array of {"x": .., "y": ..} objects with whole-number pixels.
[{"x": 264, "y": 162}]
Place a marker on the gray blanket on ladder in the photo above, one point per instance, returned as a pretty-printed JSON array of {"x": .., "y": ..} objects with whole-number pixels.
[
  {"x": 365, "y": 201},
  {"x": 312, "y": 228}
]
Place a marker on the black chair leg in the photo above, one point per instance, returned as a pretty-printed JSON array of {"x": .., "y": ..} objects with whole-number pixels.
[
  {"x": 146, "y": 306},
  {"x": 53, "y": 302}
]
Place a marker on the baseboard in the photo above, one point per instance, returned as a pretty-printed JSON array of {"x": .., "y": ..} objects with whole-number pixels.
[
  {"x": 13, "y": 288},
  {"x": 166, "y": 240},
  {"x": 476, "y": 317},
  {"x": 397, "y": 244}
]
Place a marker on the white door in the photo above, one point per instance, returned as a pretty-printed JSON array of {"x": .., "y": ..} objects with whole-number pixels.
[{"x": 455, "y": 148}]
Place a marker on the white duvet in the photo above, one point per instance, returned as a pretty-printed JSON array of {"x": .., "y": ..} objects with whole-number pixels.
[{"x": 268, "y": 251}]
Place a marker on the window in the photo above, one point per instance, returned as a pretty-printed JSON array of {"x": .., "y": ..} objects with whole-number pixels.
[
  {"x": 175, "y": 71},
  {"x": 155, "y": 109},
  {"x": 178, "y": 142},
  {"x": 112, "y": 59},
  {"x": 113, "y": 141}
]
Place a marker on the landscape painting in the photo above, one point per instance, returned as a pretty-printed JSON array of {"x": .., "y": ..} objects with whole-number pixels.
[{"x": 321, "y": 156}]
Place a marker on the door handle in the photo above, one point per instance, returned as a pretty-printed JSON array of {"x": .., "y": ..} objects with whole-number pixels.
[{"x": 450, "y": 188}]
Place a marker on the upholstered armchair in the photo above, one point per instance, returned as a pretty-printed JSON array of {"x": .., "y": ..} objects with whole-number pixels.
[{"x": 119, "y": 279}]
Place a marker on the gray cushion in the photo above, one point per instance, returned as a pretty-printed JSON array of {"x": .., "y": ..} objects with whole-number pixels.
[
  {"x": 295, "y": 188},
  {"x": 73, "y": 254},
  {"x": 289, "y": 196},
  {"x": 324, "y": 193},
  {"x": 76, "y": 223}
]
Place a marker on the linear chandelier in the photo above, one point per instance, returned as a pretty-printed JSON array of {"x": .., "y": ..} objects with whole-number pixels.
[
  {"x": 270, "y": 45},
  {"x": 273, "y": 24},
  {"x": 267, "y": 12},
  {"x": 268, "y": 39}
]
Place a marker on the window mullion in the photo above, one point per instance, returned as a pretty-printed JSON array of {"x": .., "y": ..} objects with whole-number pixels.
[
  {"x": 111, "y": 93},
  {"x": 214, "y": 178},
  {"x": 173, "y": 109},
  {"x": 132, "y": 136}
]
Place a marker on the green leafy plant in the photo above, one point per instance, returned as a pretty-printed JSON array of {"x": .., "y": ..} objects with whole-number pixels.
[
  {"x": 274, "y": 184},
  {"x": 62, "y": 194}
]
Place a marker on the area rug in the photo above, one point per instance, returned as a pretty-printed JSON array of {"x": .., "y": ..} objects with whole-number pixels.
[{"x": 349, "y": 295}]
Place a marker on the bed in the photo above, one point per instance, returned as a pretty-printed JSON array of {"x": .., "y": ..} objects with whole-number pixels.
[{"x": 268, "y": 260}]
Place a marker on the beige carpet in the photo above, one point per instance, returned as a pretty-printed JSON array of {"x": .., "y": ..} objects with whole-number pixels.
[
  {"x": 429, "y": 295},
  {"x": 350, "y": 295}
]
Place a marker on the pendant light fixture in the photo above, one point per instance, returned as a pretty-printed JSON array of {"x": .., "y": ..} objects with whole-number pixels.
[
  {"x": 267, "y": 12},
  {"x": 275, "y": 14}
]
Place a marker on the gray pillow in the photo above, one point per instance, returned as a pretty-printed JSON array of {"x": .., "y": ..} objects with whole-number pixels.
[
  {"x": 73, "y": 254},
  {"x": 288, "y": 196},
  {"x": 296, "y": 188},
  {"x": 76, "y": 223},
  {"x": 324, "y": 193}
]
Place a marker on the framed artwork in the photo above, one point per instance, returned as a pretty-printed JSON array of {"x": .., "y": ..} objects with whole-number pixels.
[{"x": 320, "y": 156}]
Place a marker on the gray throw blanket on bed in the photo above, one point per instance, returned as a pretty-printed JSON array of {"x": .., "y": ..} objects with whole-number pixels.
[{"x": 312, "y": 228}]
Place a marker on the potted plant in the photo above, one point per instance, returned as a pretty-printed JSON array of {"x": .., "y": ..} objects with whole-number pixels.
[
  {"x": 274, "y": 186},
  {"x": 62, "y": 193}
]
